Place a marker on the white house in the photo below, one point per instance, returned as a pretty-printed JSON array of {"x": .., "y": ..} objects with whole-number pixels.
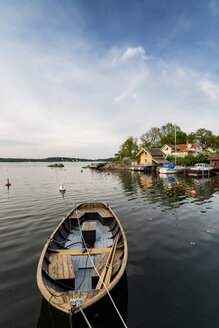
[{"x": 183, "y": 149}]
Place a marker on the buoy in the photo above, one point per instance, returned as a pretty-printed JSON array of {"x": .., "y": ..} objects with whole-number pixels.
[
  {"x": 193, "y": 192},
  {"x": 8, "y": 184},
  {"x": 62, "y": 188}
]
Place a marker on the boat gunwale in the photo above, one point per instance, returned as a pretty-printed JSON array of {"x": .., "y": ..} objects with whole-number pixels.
[{"x": 49, "y": 297}]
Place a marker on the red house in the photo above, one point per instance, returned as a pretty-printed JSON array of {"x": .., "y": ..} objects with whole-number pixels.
[{"x": 214, "y": 162}]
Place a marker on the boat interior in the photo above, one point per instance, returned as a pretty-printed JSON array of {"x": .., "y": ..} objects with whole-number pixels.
[{"x": 67, "y": 266}]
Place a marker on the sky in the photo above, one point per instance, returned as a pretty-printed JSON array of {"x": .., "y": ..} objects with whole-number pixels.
[{"x": 78, "y": 77}]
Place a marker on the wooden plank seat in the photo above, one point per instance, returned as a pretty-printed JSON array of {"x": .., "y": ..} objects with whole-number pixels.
[
  {"x": 99, "y": 266},
  {"x": 89, "y": 231},
  {"x": 104, "y": 215},
  {"x": 77, "y": 214},
  {"x": 60, "y": 268},
  {"x": 77, "y": 252}
]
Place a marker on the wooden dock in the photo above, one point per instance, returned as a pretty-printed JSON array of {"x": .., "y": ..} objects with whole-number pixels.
[{"x": 142, "y": 168}]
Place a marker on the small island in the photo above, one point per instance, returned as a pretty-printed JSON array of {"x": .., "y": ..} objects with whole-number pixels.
[{"x": 56, "y": 165}]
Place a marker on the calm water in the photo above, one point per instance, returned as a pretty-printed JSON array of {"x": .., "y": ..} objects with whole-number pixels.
[{"x": 173, "y": 238}]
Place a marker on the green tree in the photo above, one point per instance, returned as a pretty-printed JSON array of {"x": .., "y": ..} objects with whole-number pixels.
[
  {"x": 213, "y": 141},
  {"x": 204, "y": 136},
  {"x": 216, "y": 141},
  {"x": 192, "y": 137},
  {"x": 129, "y": 148},
  {"x": 151, "y": 138},
  {"x": 167, "y": 132},
  {"x": 181, "y": 137}
]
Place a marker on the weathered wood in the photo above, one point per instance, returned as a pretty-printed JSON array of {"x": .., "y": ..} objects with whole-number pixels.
[
  {"x": 99, "y": 266},
  {"x": 101, "y": 211},
  {"x": 117, "y": 260},
  {"x": 61, "y": 267},
  {"x": 104, "y": 213},
  {"x": 89, "y": 231},
  {"x": 103, "y": 274},
  {"x": 67, "y": 296},
  {"x": 76, "y": 252},
  {"x": 110, "y": 264},
  {"x": 77, "y": 214}
]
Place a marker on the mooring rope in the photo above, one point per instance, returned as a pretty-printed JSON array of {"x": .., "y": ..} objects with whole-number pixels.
[
  {"x": 104, "y": 285},
  {"x": 50, "y": 312},
  {"x": 88, "y": 253},
  {"x": 85, "y": 318}
]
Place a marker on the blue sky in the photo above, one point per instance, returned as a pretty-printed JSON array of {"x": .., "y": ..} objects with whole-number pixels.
[{"x": 79, "y": 77}]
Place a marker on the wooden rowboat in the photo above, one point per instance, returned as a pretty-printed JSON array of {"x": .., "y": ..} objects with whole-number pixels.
[{"x": 66, "y": 269}]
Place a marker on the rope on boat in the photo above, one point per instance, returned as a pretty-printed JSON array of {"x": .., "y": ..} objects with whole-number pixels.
[
  {"x": 107, "y": 290},
  {"x": 87, "y": 250},
  {"x": 50, "y": 312},
  {"x": 85, "y": 318},
  {"x": 76, "y": 304}
]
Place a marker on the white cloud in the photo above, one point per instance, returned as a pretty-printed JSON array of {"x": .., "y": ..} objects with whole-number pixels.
[
  {"x": 180, "y": 72},
  {"x": 214, "y": 7},
  {"x": 59, "y": 102},
  {"x": 211, "y": 90},
  {"x": 137, "y": 52}
]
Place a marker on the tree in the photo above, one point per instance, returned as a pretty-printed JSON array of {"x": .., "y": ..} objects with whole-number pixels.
[
  {"x": 181, "y": 137},
  {"x": 216, "y": 141},
  {"x": 129, "y": 148},
  {"x": 191, "y": 137},
  {"x": 204, "y": 136},
  {"x": 157, "y": 137},
  {"x": 213, "y": 141},
  {"x": 151, "y": 138},
  {"x": 167, "y": 132}
]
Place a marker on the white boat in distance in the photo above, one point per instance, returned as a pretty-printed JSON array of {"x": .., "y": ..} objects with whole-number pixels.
[
  {"x": 168, "y": 168},
  {"x": 200, "y": 169}
]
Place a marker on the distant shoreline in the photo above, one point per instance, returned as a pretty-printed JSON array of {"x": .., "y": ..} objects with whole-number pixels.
[{"x": 54, "y": 159}]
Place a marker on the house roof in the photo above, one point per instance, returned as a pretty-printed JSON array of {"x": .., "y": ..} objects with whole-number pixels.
[
  {"x": 155, "y": 151},
  {"x": 160, "y": 160},
  {"x": 181, "y": 148},
  {"x": 214, "y": 157}
]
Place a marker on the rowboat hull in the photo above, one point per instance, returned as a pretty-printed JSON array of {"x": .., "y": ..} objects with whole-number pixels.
[{"x": 87, "y": 248}]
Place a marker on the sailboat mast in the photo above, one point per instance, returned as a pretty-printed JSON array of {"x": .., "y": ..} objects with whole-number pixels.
[{"x": 175, "y": 143}]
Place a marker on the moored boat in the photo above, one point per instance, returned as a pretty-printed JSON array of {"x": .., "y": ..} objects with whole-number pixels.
[
  {"x": 84, "y": 258},
  {"x": 168, "y": 168},
  {"x": 200, "y": 169}
]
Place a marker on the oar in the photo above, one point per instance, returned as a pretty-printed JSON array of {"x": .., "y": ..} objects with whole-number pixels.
[
  {"x": 110, "y": 265},
  {"x": 103, "y": 274}
]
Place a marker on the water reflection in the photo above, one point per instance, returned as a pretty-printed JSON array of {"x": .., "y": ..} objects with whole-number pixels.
[
  {"x": 102, "y": 314},
  {"x": 173, "y": 242},
  {"x": 168, "y": 188}
]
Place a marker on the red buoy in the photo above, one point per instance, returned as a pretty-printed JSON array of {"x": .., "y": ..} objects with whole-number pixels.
[
  {"x": 8, "y": 184},
  {"x": 193, "y": 192}
]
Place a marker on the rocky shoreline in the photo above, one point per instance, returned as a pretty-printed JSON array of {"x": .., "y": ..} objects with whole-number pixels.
[{"x": 108, "y": 166}]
